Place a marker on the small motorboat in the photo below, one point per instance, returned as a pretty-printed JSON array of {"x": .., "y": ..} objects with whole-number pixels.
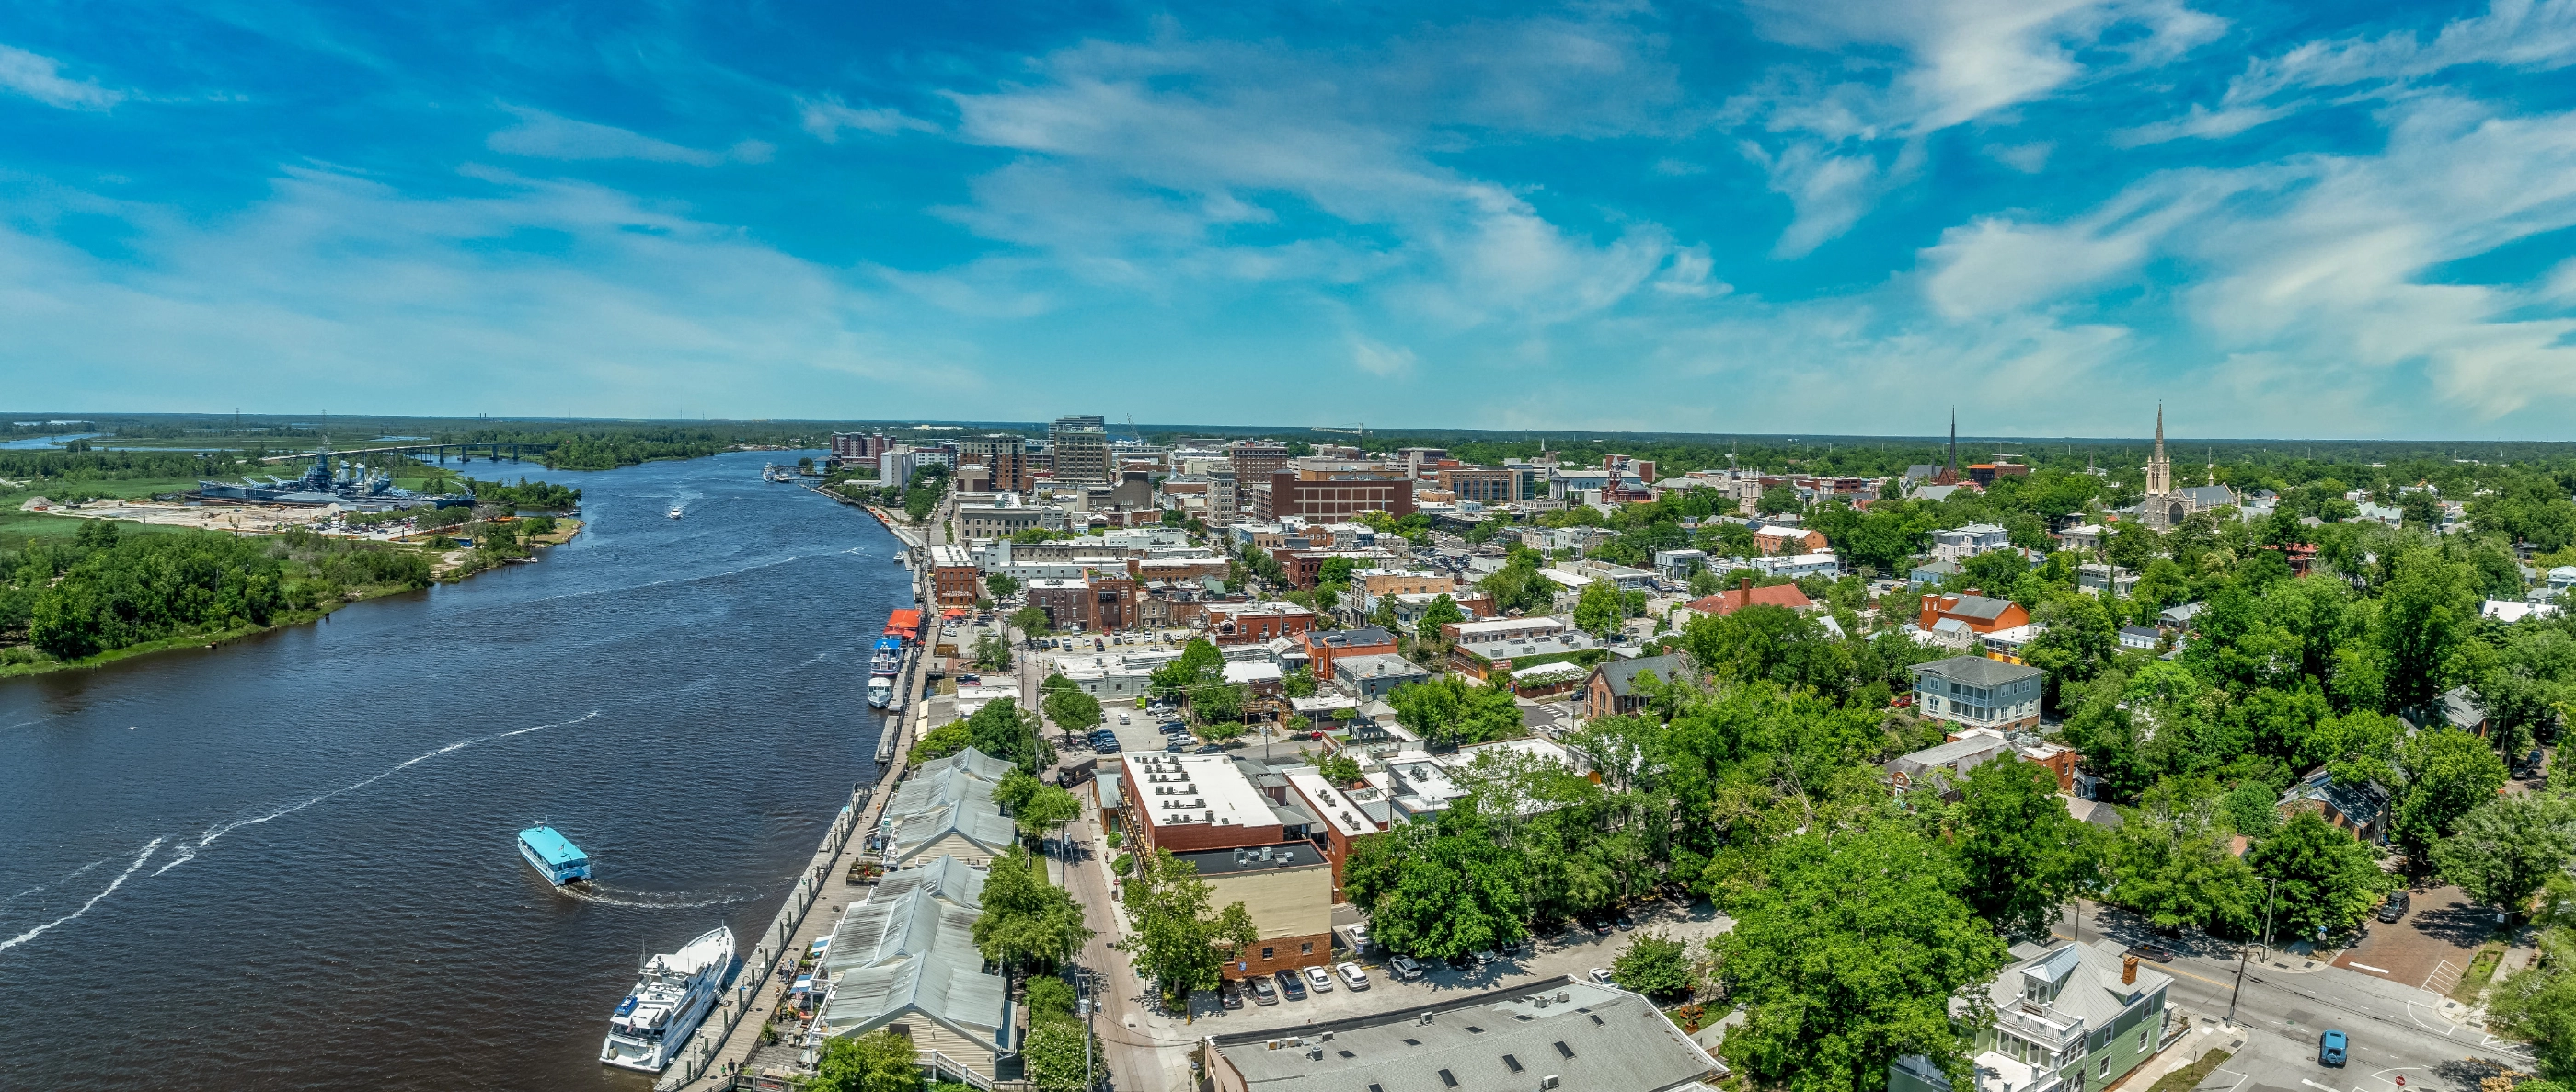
[{"x": 675, "y": 511}]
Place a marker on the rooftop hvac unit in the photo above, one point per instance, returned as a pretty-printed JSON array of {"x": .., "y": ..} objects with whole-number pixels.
[
  {"x": 1326, "y": 1037},
  {"x": 1315, "y": 1054},
  {"x": 1563, "y": 996},
  {"x": 1548, "y": 1081}
]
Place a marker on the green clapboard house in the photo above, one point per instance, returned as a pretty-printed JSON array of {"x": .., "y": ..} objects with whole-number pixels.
[{"x": 2068, "y": 1018}]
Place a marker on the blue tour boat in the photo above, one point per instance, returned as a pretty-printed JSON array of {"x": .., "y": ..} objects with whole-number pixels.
[{"x": 554, "y": 855}]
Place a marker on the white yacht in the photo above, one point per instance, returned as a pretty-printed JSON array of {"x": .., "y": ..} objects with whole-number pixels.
[
  {"x": 674, "y": 993},
  {"x": 880, "y": 691},
  {"x": 675, "y": 511}
]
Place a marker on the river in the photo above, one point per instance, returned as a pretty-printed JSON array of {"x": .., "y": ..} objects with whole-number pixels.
[{"x": 289, "y": 862}]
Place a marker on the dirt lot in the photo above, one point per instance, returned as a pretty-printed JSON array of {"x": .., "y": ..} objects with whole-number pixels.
[{"x": 2429, "y": 947}]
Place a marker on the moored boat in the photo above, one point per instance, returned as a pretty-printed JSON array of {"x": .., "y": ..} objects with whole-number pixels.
[
  {"x": 554, "y": 856},
  {"x": 671, "y": 997},
  {"x": 880, "y": 690}
]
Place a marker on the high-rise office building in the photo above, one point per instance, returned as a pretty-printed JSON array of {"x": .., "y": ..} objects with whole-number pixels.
[{"x": 1081, "y": 456}]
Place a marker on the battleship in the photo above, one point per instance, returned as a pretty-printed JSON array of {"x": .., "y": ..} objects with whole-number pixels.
[{"x": 349, "y": 484}]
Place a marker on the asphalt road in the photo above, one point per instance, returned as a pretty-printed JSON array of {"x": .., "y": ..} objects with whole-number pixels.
[{"x": 2395, "y": 1030}]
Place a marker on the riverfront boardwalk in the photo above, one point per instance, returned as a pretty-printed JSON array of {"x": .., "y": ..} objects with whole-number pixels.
[{"x": 731, "y": 1034}]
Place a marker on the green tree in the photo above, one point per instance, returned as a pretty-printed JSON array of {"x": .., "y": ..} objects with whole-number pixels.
[
  {"x": 1050, "y": 998},
  {"x": 1447, "y": 710},
  {"x": 992, "y": 653},
  {"x": 1179, "y": 940},
  {"x": 2447, "y": 774},
  {"x": 1770, "y": 643},
  {"x": 2327, "y": 879},
  {"x": 1001, "y": 584},
  {"x": 1004, "y": 730},
  {"x": 1339, "y": 768},
  {"x": 880, "y": 1061},
  {"x": 2170, "y": 862},
  {"x": 940, "y": 742},
  {"x": 2023, "y": 853},
  {"x": 2425, "y": 610},
  {"x": 1299, "y": 683},
  {"x": 1025, "y": 918},
  {"x": 1439, "y": 889},
  {"x": 1070, "y": 708},
  {"x": 2507, "y": 848},
  {"x": 1598, "y": 610},
  {"x": 1031, "y": 621},
  {"x": 1047, "y": 810},
  {"x": 1055, "y": 1054},
  {"x": 2538, "y": 1004},
  {"x": 1777, "y": 500},
  {"x": 1851, "y": 958},
  {"x": 1441, "y": 612},
  {"x": 1655, "y": 966}
]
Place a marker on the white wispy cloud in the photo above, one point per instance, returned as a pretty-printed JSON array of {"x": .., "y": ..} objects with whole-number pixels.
[
  {"x": 41, "y": 78},
  {"x": 549, "y": 295},
  {"x": 2524, "y": 35},
  {"x": 1835, "y": 145},
  {"x": 550, "y": 136},
  {"x": 827, "y": 117}
]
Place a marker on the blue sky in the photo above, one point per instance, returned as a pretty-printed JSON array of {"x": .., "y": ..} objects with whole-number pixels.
[{"x": 2292, "y": 220}]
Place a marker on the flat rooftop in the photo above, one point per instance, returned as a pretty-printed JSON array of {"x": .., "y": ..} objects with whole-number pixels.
[{"x": 1181, "y": 790}]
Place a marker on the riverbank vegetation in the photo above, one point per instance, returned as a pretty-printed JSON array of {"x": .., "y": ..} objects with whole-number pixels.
[
  {"x": 528, "y": 495},
  {"x": 104, "y": 592}
]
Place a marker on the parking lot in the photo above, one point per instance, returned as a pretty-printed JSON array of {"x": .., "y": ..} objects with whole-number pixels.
[
  {"x": 1574, "y": 951},
  {"x": 2429, "y": 947}
]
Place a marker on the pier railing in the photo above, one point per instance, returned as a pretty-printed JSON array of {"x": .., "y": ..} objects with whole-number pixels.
[{"x": 700, "y": 1052}]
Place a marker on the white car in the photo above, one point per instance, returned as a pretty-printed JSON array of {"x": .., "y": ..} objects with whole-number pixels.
[
  {"x": 1352, "y": 976},
  {"x": 1602, "y": 976},
  {"x": 1318, "y": 981}
]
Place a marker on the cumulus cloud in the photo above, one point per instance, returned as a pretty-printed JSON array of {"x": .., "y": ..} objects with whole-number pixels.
[{"x": 40, "y": 78}]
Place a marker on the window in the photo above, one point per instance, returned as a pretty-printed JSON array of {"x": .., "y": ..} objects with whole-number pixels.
[
  {"x": 1511, "y": 1063},
  {"x": 1563, "y": 1049},
  {"x": 2143, "y": 1031},
  {"x": 2105, "y": 1070},
  {"x": 1265, "y": 953},
  {"x": 1447, "y": 1081},
  {"x": 1308, "y": 948}
]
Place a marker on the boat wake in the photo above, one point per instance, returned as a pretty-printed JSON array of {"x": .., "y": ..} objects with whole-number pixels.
[
  {"x": 73, "y": 875},
  {"x": 608, "y": 895},
  {"x": 118, "y": 882},
  {"x": 188, "y": 851}
]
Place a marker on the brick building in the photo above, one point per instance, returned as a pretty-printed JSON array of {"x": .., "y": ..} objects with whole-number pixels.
[
  {"x": 955, "y": 576},
  {"x": 1978, "y": 613},
  {"x": 1324, "y": 644},
  {"x": 1005, "y": 459},
  {"x": 1202, "y": 809},
  {"x": 1612, "y": 689},
  {"x": 1485, "y": 485},
  {"x": 1334, "y": 490},
  {"x": 1249, "y": 623},
  {"x": 1099, "y": 602}
]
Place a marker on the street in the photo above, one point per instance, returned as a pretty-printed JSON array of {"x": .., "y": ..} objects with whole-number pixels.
[{"x": 2396, "y": 1030}]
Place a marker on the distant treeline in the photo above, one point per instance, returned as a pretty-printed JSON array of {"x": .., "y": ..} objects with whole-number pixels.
[
  {"x": 104, "y": 591},
  {"x": 610, "y": 447},
  {"x": 46, "y": 467},
  {"x": 537, "y": 496}
]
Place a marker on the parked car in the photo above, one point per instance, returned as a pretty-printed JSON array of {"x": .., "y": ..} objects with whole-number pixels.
[
  {"x": 1230, "y": 994},
  {"x": 1322, "y": 982},
  {"x": 2330, "y": 1048},
  {"x": 1352, "y": 976},
  {"x": 1623, "y": 923},
  {"x": 1177, "y": 746},
  {"x": 1263, "y": 993},
  {"x": 1122, "y": 718},
  {"x": 1602, "y": 975},
  {"x": 2157, "y": 952},
  {"x": 2395, "y": 907},
  {"x": 1600, "y": 927},
  {"x": 1212, "y": 749},
  {"x": 1404, "y": 968},
  {"x": 1292, "y": 986}
]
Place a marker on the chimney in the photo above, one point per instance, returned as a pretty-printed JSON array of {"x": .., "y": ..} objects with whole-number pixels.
[
  {"x": 1977, "y": 591},
  {"x": 2129, "y": 971},
  {"x": 1744, "y": 584}
]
